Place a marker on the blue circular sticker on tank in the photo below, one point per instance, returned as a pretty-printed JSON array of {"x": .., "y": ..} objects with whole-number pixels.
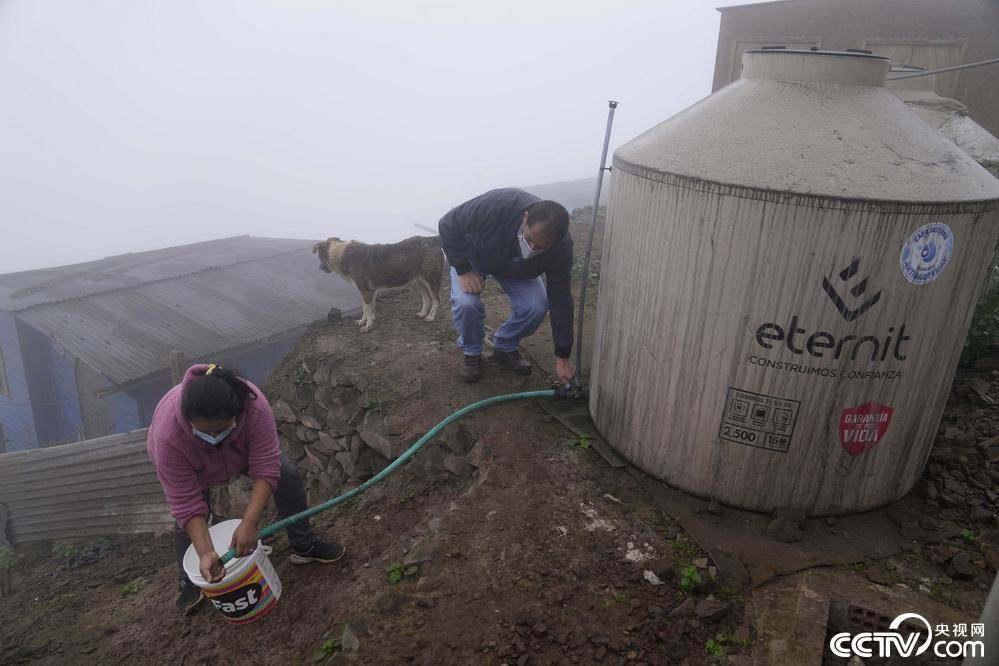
[{"x": 926, "y": 252}]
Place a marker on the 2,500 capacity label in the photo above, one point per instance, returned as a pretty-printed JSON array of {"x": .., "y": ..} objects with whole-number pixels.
[{"x": 762, "y": 421}]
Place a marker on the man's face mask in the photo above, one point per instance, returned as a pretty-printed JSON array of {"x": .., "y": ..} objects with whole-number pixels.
[
  {"x": 213, "y": 440},
  {"x": 525, "y": 248},
  {"x": 528, "y": 246}
]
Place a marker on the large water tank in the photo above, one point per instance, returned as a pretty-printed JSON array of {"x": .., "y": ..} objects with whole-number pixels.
[{"x": 789, "y": 271}]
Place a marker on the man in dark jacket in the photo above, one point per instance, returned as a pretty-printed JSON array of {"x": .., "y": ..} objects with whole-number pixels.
[{"x": 514, "y": 237}]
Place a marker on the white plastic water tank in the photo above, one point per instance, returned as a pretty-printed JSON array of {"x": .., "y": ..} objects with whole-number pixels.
[{"x": 789, "y": 271}]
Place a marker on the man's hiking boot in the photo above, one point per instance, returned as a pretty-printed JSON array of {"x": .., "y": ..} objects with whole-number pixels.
[
  {"x": 471, "y": 369},
  {"x": 513, "y": 361},
  {"x": 321, "y": 551},
  {"x": 190, "y": 596}
]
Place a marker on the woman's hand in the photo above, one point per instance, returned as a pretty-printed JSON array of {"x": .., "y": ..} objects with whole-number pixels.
[
  {"x": 211, "y": 568},
  {"x": 244, "y": 539}
]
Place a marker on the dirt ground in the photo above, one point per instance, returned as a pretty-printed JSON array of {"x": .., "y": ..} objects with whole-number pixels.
[{"x": 544, "y": 554}]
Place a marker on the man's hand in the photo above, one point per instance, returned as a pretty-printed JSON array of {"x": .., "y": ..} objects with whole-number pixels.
[
  {"x": 564, "y": 370},
  {"x": 472, "y": 283},
  {"x": 244, "y": 539},
  {"x": 211, "y": 568}
]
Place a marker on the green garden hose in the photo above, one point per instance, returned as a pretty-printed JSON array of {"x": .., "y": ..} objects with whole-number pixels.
[{"x": 401, "y": 460}]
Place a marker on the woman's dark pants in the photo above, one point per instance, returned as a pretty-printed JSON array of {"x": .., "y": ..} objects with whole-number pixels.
[{"x": 290, "y": 499}]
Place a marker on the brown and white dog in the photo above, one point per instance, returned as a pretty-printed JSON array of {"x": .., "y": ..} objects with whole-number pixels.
[{"x": 375, "y": 267}]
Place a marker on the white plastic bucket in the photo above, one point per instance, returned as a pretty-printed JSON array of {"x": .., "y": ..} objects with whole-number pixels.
[{"x": 251, "y": 587}]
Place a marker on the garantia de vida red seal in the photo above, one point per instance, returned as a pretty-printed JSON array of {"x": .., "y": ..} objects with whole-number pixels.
[{"x": 863, "y": 426}]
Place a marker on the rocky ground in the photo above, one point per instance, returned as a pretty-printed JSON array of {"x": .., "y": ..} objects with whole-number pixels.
[{"x": 509, "y": 540}]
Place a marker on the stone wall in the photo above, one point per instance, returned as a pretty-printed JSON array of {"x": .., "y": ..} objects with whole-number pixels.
[{"x": 340, "y": 434}]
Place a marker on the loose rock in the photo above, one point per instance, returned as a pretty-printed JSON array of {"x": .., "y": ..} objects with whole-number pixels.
[
  {"x": 458, "y": 466},
  {"x": 960, "y": 566},
  {"x": 783, "y": 530},
  {"x": 352, "y": 635},
  {"x": 796, "y": 516},
  {"x": 426, "y": 550},
  {"x": 685, "y": 609},
  {"x": 911, "y": 530},
  {"x": 710, "y": 609}
]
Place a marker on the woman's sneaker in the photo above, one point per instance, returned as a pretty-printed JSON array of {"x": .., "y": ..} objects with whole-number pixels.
[
  {"x": 190, "y": 596},
  {"x": 321, "y": 551}
]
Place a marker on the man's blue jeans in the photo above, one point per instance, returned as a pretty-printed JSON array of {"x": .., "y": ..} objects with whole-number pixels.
[{"x": 528, "y": 305}]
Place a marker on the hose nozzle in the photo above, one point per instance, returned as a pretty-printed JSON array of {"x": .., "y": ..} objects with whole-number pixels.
[{"x": 572, "y": 392}]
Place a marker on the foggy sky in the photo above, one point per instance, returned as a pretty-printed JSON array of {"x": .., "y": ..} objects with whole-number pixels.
[{"x": 132, "y": 125}]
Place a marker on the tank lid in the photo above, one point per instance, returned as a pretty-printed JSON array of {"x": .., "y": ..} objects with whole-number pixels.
[
  {"x": 849, "y": 53},
  {"x": 779, "y": 128},
  {"x": 851, "y": 67}
]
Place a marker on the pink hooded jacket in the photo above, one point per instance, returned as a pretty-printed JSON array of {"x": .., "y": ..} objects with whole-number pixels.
[{"x": 186, "y": 465}]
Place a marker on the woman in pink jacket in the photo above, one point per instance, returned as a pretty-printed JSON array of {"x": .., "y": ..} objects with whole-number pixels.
[{"x": 207, "y": 430}]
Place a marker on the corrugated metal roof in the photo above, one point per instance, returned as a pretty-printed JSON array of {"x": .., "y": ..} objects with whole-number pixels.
[
  {"x": 29, "y": 288},
  {"x": 126, "y": 333},
  {"x": 99, "y": 486},
  {"x": 752, "y": 4}
]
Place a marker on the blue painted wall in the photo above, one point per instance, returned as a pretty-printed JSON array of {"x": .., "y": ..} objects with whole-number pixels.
[
  {"x": 51, "y": 378},
  {"x": 15, "y": 410},
  {"x": 255, "y": 365},
  {"x": 147, "y": 396},
  {"x": 124, "y": 412},
  {"x": 55, "y": 405},
  {"x": 45, "y": 408}
]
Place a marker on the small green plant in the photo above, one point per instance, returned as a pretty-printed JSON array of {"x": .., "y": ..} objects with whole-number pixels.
[
  {"x": 620, "y": 597},
  {"x": 581, "y": 443},
  {"x": 7, "y": 558},
  {"x": 329, "y": 647},
  {"x": 372, "y": 403},
  {"x": 408, "y": 495},
  {"x": 858, "y": 566},
  {"x": 397, "y": 572},
  {"x": 942, "y": 591},
  {"x": 969, "y": 536},
  {"x": 684, "y": 548},
  {"x": 730, "y": 593},
  {"x": 63, "y": 550},
  {"x": 132, "y": 587},
  {"x": 299, "y": 376},
  {"x": 690, "y": 578},
  {"x": 715, "y": 649}
]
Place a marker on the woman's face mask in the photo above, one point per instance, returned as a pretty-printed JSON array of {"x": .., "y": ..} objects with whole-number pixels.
[{"x": 213, "y": 440}]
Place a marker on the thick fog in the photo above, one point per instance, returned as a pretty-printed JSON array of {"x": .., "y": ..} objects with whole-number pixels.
[{"x": 132, "y": 125}]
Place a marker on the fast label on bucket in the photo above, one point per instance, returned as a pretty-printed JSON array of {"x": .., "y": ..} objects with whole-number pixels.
[
  {"x": 862, "y": 427},
  {"x": 239, "y": 602},
  {"x": 926, "y": 252},
  {"x": 246, "y": 599},
  {"x": 250, "y": 588}
]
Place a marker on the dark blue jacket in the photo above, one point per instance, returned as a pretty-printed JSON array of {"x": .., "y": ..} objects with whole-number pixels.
[{"x": 481, "y": 235}]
